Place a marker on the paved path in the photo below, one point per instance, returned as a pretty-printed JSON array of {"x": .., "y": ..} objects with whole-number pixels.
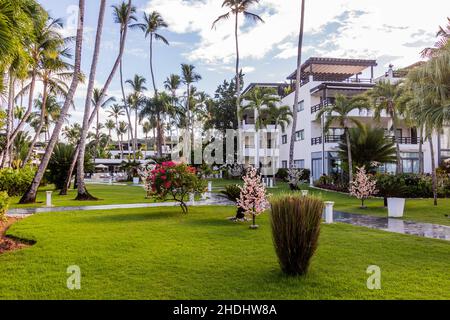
[{"x": 420, "y": 229}]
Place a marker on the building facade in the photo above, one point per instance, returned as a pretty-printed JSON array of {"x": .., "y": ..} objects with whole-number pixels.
[{"x": 316, "y": 149}]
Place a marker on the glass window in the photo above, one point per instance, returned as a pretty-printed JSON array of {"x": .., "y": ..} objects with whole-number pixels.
[
  {"x": 284, "y": 164},
  {"x": 299, "y": 164},
  {"x": 301, "y": 106},
  {"x": 284, "y": 139},
  {"x": 300, "y": 135}
]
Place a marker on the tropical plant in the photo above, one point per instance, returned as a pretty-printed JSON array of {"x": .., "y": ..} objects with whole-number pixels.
[
  {"x": 232, "y": 192},
  {"x": 175, "y": 181},
  {"x": 30, "y": 195},
  {"x": 103, "y": 102},
  {"x": 4, "y": 205},
  {"x": 237, "y": 7},
  {"x": 339, "y": 113},
  {"x": 151, "y": 25},
  {"x": 295, "y": 222},
  {"x": 297, "y": 86},
  {"x": 135, "y": 101},
  {"x": 16, "y": 181}
]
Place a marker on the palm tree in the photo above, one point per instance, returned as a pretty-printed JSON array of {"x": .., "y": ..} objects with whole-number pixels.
[
  {"x": 387, "y": 97},
  {"x": 151, "y": 25},
  {"x": 172, "y": 84},
  {"x": 236, "y": 7},
  {"x": 135, "y": 101},
  {"x": 72, "y": 133},
  {"x": 278, "y": 115},
  {"x": 146, "y": 129},
  {"x": 30, "y": 195},
  {"x": 297, "y": 86},
  {"x": 116, "y": 111},
  {"x": 83, "y": 194},
  {"x": 369, "y": 147},
  {"x": 110, "y": 125},
  {"x": 339, "y": 113},
  {"x": 97, "y": 99},
  {"x": 124, "y": 14},
  {"x": 188, "y": 77},
  {"x": 443, "y": 35},
  {"x": 121, "y": 130}
]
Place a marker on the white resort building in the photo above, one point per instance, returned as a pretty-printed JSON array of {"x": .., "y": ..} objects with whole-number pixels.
[{"x": 321, "y": 80}]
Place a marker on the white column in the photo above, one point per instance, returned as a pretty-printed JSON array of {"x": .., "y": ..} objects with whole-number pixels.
[
  {"x": 329, "y": 211},
  {"x": 305, "y": 193},
  {"x": 49, "y": 199},
  {"x": 192, "y": 199}
]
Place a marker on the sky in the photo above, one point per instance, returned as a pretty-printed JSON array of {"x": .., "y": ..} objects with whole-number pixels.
[{"x": 390, "y": 31}]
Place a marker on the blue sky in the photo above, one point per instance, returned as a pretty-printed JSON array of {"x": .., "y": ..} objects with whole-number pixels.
[{"x": 385, "y": 30}]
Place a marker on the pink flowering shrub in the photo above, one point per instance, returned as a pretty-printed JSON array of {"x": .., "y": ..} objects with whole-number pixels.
[
  {"x": 363, "y": 185},
  {"x": 253, "y": 197},
  {"x": 174, "y": 181}
]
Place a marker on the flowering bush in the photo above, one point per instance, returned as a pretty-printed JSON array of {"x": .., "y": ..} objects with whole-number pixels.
[
  {"x": 170, "y": 180},
  {"x": 296, "y": 176},
  {"x": 363, "y": 185},
  {"x": 253, "y": 198}
]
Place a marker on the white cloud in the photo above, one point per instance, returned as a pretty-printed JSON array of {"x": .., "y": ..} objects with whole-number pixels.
[{"x": 380, "y": 28}]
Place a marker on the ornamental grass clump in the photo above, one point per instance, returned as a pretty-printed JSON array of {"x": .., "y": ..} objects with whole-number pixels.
[{"x": 295, "y": 222}]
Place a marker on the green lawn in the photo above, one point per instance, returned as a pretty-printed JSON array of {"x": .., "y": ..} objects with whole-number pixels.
[
  {"x": 415, "y": 209},
  {"x": 159, "y": 253}
]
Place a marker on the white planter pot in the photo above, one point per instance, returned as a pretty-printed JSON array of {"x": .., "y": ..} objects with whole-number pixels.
[
  {"x": 135, "y": 180},
  {"x": 396, "y": 207}
]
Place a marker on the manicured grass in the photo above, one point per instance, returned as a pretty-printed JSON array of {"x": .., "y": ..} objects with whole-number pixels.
[
  {"x": 415, "y": 209},
  {"x": 159, "y": 253},
  {"x": 107, "y": 194}
]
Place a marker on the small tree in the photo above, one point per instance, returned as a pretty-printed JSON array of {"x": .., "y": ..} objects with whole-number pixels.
[
  {"x": 173, "y": 181},
  {"x": 363, "y": 186},
  {"x": 253, "y": 197},
  {"x": 295, "y": 177}
]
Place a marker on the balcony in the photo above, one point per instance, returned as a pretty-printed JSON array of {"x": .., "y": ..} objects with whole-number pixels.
[
  {"x": 325, "y": 103},
  {"x": 405, "y": 140}
]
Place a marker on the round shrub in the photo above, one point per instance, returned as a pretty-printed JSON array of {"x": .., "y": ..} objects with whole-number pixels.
[{"x": 15, "y": 182}]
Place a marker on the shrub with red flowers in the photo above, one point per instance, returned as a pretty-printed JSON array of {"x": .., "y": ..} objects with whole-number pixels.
[{"x": 175, "y": 181}]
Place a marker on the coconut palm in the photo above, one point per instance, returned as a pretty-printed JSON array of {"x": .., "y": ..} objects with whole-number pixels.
[
  {"x": 110, "y": 125},
  {"x": 237, "y": 7},
  {"x": 124, "y": 15},
  {"x": 339, "y": 113},
  {"x": 188, "y": 77},
  {"x": 72, "y": 133},
  {"x": 153, "y": 22},
  {"x": 277, "y": 115},
  {"x": 115, "y": 112},
  {"x": 147, "y": 127},
  {"x": 122, "y": 129},
  {"x": 97, "y": 99},
  {"x": 30, "y": 195},
  {"x": 297, "y": 86},
  {"x": 172, "y": 84},
  {"x": 135, "y": 101},
  {"x": 387, "y": 97},
  {"x": 257, "y": 100}
]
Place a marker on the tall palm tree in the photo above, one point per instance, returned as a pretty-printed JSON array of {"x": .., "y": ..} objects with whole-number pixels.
[
  {"x": 188, "y": 77},
  {"x": 115, "y": 112},
  {"x": 237, "y": 7},
  {"x": 121, "y": 130},
  {"x": 297, "y": 86},
  {"x": 172, "y": 84},
  {"x": 97, "y": 99},
  {"x": 124, "y": 15},
  {"x": 146, "y": 129},
  {"x": 339, "y": 113},
  {"x": 278, "y": 115},
  {"x": 387, "y": 97},
  {"x": 83, "y": 194},
  {"x": 30, "y": 195},
  {"x": 135, "y": 101},
  {"x": 110, "y": 125},
  {"x": 153, "y": 22}
]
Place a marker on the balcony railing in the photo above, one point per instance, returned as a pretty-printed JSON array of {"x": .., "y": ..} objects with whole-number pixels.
[
  {"x": 324, "y": 103},
  {"x": 328, "y": 139},
  {"x": 405, "y": 140},
  {"x": 315, "y": 141}
]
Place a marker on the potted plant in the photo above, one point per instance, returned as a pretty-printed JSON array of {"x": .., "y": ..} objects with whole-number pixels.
[{"x": 393, "y": 190}]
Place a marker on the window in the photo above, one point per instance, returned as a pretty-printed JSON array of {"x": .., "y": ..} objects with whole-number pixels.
[
  {"x": 301, "y": 106},
  {"x": 300, "y": 135},
  {"x": 284, "y": 164},
  {"x": 299, "y": 164},
  {"x": 336, "y": 132},
  {"x": 284, "y": 139}
]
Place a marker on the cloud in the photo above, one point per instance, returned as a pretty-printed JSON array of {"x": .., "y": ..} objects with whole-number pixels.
[{"x": 347, "y": 28}]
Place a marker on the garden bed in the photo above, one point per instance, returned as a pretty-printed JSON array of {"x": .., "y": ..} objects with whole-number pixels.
[{"x": 10, "y": 243}]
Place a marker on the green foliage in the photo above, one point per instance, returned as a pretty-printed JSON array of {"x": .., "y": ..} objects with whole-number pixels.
[
  {"x": 369, "y": 148},
  {"x": 404, "y": 186},
  {"x": 295, "y": 224},
  {"x": 174, "y": 181},
  {"x": 232, "y": 191},
  {"x": 16, "y": 181},
  {"x": 4, "y": 204}
]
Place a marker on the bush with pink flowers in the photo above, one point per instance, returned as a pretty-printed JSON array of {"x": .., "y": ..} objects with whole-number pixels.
[{"x": 174, "y": 181}]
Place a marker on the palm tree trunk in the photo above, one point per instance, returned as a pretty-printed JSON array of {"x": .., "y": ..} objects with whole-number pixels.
[
  {"x": 349, "y": 156},
  {"x": 135, "y": 129},
  {"x": 30, "y": 195},
  {"x": 421, "y": 164},
  {"x": 159, "y": 133},
  {"x": 41, "y": 125},
  {"x": 6, "y": 154},
  {"x": 83, "y": 194},
  {"x": 238, "y": 80},
  {"x": 297, "y": 87},
  {"x": 66, "y": 186},
  {"x": 399, "y": 168},
  {"x": 433, "y": 170},
  {"x": 97, "y": 131},
  {"x": 151, "y": 65}
]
